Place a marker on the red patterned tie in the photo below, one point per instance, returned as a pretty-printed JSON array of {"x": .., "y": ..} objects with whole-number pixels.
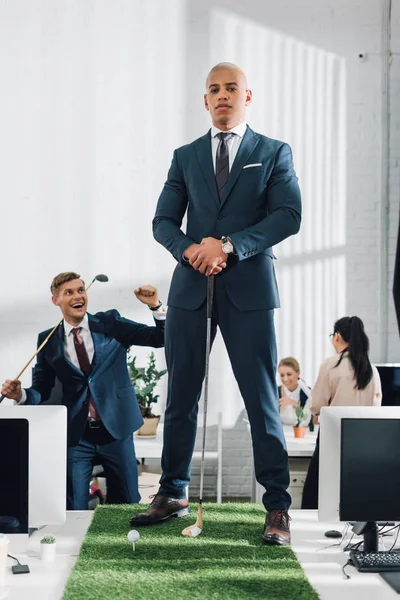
[{"x": 85, "y": 366}]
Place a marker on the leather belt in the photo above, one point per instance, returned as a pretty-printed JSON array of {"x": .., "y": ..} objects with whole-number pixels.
[{"x": 94, "y": 424}]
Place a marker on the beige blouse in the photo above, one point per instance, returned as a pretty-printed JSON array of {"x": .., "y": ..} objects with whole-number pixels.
[{"x": 335, "y": 386}]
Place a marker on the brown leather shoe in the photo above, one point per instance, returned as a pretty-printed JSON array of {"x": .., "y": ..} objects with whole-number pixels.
[
  {"x": 277, "y": 529},
  {"x": 160, "y": 509}
]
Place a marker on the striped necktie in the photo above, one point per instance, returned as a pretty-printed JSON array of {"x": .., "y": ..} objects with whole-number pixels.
[{"x": 222, "y": 163}]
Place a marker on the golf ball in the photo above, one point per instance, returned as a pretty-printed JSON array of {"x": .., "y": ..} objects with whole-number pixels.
[{"x": 133, "y": 536}]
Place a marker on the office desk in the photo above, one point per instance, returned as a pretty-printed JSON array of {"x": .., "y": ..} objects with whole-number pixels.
[
  {"x": 320, "y": 559},
  {"x": 46, "y": 581},
  {"x": 300, "y": 451}
]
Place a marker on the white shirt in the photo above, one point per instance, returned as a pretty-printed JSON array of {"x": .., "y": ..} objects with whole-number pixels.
[
  {"x": 69, "y": 346},
  {"x": 288, "y": 414},
  {"x": 233, "y": 143}
]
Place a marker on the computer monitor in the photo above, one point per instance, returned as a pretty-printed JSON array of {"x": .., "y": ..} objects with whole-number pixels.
[
  {"x": 359, "y": 467},
  {"x": 46, "y": 435},
  {"x": 389, "y": 374},
  {"x": 14, "y": 453}
]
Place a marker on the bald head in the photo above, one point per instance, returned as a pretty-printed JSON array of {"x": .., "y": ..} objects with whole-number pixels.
[
  {"x": 228, "y": 66},
  {"x": 227, "y": 95}
]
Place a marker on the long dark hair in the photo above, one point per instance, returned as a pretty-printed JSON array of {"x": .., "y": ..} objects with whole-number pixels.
[{"x": 352, "y": 332}]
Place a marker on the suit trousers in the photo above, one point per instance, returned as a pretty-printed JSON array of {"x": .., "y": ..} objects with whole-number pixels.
[
  {"x": 249, "y": 337},
  {"x": 119, "y": 463}
]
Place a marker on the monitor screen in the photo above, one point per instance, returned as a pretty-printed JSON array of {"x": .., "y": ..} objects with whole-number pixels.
[
  {"x": 14, "y": 468},
  {"x": 370, "y": 470},
  {"x": 390, "y": 381}
]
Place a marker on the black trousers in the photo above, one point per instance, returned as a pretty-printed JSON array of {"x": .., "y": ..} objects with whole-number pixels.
[{"x": 310, "y": 491}]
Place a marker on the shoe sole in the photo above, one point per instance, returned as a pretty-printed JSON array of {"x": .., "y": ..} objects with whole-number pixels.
[
  {"x": 274, "y": 540},
  {"x": 180, "y": 513}
]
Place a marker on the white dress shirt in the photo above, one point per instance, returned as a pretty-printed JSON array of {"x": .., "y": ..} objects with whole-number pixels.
[
  {"x": 233, "y": 143},
  {"x": 288, "y": 414},
  {"x": 69, "y": 346}
]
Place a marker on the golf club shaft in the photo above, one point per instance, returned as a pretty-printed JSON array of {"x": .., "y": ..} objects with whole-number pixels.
[
  {"x": 41, "y": 346},
  {"x": 210, "y": 297},
  {"x": 33, "y": 356}
]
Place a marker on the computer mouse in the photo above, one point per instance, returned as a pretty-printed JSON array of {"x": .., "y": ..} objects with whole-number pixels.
[{"x": 333, "y": 533}]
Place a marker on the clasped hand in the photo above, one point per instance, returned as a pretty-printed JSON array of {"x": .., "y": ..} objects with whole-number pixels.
[{"x": 207, "y": 257}]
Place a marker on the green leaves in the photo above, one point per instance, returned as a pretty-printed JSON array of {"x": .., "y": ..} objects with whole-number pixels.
[
  {"x": 144, "y": 381},
  {"x": 300, "y": 415}
]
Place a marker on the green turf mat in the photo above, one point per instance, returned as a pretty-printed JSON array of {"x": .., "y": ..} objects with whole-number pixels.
[{"x": 226, "y": 562}]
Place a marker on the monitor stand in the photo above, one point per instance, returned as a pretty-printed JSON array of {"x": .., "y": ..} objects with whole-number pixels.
[{"x": 369, "y": 530}]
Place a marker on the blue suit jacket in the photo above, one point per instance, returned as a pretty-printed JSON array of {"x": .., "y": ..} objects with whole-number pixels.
[
  {"x": 261, "y": 207},
  {"x": 109, "y": 381}
]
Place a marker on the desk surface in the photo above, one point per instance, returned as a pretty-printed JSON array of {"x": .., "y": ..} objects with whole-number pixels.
[
  {"x": 46, "y": 581},
  {"x": 320, "y": 558},
  {"x": 297, "y": 447}
]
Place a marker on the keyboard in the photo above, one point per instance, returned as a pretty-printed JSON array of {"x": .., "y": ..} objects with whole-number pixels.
[{"x": 375, "y": 562}]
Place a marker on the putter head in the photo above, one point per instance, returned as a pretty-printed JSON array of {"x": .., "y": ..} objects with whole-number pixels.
[{"x": 192, "y": 531}]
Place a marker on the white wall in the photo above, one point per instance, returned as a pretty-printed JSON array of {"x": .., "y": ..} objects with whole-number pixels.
[{"x": 95, "y": 95}]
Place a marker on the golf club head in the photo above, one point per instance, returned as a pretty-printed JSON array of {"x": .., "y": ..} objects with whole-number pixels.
[
  {"x": 102, "y": 278},
  {"x": 192, "y": 531}
]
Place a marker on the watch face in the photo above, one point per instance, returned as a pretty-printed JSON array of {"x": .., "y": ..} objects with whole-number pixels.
[{"x": 227, "y": 248}]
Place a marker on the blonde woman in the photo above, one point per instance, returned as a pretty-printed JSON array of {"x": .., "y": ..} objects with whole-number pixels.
[{"x": 293, "y": 393}]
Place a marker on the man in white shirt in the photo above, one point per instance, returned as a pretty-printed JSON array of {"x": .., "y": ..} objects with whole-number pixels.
[{"x": 88, "y": 355}]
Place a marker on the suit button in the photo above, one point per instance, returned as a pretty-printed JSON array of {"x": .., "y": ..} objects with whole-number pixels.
[
  {"x": 220, "y": 217},
  {"x": 90, "y": 380},
  {"x": 86, "y": 403}
]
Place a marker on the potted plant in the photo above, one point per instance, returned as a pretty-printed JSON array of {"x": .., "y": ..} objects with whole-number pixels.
[
  {"x": 299, "y": 431},
  {"x": 48, "y": 548},
  {"x": 144, "y": 381}
]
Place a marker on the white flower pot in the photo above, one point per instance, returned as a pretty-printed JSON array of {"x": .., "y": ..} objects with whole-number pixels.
[{"x": 48, "y": 552}]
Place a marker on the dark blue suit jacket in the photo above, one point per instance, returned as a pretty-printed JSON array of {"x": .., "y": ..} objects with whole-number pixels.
[
  {"x": 261, "y": 207},
  {"x": 109, "y": 382}
]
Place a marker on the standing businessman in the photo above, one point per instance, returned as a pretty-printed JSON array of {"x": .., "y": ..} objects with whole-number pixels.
[
  {"x": 87, "y": 353},
  {"x": 241, "y": 196}
]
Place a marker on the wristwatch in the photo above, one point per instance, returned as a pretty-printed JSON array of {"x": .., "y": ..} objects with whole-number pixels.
[
  {"x": 227, "y": 245},
  {"x": 153, "y": 308}
]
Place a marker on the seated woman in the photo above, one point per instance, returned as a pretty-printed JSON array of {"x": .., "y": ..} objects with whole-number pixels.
[
  {"x": 293, "y": 393},
  {"x": 349, "y": 380}
]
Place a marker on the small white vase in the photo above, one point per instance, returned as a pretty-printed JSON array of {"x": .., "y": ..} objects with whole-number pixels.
[{"x": 48, "y": 552}]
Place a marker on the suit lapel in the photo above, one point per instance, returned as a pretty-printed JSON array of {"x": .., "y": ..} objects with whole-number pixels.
[
  {"x": 97, "y": 330},
  {"x": 58, "y": 348},
  {"x": 249, "y": 142},
  {"x": 204, "y": 156}
]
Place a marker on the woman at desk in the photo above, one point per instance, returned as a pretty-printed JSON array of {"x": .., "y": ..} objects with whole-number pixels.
[
  {"x": 293, "y": 393},
  {"x": 349, "y": 380}
]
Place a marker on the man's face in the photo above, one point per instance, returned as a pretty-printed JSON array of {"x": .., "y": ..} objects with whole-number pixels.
[
  {"x": 72, "y": 300},
  {"x": 227, "y": 97}
]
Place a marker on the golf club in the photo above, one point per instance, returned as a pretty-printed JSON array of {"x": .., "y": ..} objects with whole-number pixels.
[
  {"x": 101, "y": 278},
  {"x": 197, "y": 528}
]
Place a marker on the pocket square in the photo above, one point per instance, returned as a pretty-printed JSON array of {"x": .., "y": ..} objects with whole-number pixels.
[{"x": 253, "y": 165}]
